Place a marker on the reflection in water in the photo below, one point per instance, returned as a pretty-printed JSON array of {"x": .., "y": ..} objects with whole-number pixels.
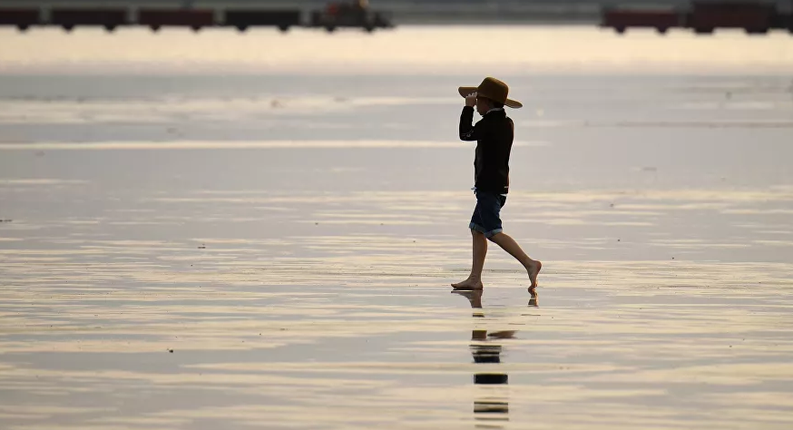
[
  {"x": 491, "y": 407},
  {"x": 533, "y": 301}
]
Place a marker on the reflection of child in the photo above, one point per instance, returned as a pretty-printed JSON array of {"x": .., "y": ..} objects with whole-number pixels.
[{"x": 493, "y": 135}]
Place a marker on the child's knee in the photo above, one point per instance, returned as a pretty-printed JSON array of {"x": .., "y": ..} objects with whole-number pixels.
[{"x": 494, "y": 237}]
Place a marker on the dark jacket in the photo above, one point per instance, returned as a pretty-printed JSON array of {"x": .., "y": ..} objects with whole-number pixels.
[{"x": 493, "y": 135}]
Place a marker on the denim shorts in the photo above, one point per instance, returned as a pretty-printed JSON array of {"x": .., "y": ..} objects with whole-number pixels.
[{"x": 487, "y": 213}]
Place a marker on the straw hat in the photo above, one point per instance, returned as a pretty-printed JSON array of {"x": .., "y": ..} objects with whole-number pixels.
[{"x": 492, "y": 89}]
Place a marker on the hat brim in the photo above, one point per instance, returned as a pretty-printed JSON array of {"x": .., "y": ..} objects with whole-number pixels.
[{"x": 514, "y": 104}]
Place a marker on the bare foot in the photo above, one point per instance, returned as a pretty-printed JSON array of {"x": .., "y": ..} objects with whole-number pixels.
[
  {"x": 533, "y": 300},
  {"x": 534, "y": 269},
  {"x": 468, "y": 284}
]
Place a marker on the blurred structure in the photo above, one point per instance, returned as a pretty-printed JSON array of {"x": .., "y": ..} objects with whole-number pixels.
[
  {"x": 702, "y": 17},
  {"x": 355, "y": 14}
]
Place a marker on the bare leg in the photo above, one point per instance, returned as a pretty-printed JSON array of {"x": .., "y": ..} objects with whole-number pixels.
[
  {"x": 508, "y": 244},
  {"x": 474, "y": 281}
]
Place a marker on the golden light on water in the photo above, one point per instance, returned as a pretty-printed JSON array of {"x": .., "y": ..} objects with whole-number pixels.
[
  {"x": 276, "y": 251},
  {"x": 406, "y": 50}
]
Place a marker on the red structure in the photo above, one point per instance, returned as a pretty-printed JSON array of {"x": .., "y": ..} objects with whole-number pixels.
[
  {"x": 661, "y": 20},
  {"x": 352, "y": 14},
  {"x": 193, "y": 18},
  {"x": 753, "y": 17},
  {"x": 702, "y": 17}
]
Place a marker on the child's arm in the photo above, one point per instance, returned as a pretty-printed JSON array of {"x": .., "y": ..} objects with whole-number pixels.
[{"x": 468, "y": 132}]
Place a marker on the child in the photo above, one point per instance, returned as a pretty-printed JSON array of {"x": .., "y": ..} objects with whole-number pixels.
[{"x": 493, "y": 136}]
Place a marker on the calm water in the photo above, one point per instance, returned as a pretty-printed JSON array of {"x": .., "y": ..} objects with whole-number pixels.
[{"x": 208, "y": 251}]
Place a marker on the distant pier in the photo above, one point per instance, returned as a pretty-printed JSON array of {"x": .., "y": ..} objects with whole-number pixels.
[
  {"x": 702, "y": 17},
  {"x": 335, "y": 15}
]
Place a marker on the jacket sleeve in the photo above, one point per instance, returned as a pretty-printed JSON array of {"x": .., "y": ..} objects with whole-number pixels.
[{"x": 468, "y": 131}]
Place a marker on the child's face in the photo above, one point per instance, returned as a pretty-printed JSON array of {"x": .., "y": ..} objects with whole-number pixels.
[{"x": 483, "y": 105}]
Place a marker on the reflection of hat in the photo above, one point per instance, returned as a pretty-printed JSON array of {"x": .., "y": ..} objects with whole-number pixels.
[
  {"x": 491, "y": 378},
  {"x": 492, "y": 89}
]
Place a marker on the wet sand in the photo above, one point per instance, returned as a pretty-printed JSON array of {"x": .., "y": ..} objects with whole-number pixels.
[
  {"x": 275, "y": 252},
  {"x": 352, "y": 330}
]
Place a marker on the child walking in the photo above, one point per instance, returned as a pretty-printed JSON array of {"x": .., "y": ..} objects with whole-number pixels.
[{"x": 493, "y": 134}]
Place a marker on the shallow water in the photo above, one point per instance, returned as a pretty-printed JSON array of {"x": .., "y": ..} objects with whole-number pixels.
[{"x": 231, "y": 252}]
